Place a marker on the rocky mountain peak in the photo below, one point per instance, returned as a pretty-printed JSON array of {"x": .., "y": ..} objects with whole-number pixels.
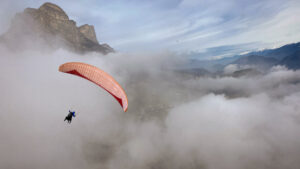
[
  {"x": 51, "y": 22},
  {"x": 54, "y": 11}
]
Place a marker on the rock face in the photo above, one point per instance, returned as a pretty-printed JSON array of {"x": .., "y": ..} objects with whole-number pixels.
[
  {"x": 51, "y": 24},
  {"x": 89, "y": 32}
]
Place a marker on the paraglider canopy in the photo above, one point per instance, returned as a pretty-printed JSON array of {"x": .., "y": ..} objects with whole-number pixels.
[{"x": 99, "y": 77}]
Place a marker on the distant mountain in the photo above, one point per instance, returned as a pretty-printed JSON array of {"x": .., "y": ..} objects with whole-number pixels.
[
  {"x": 287, "y": 55},
  {"x": 212, "y": 65},
  {"x": 292, "y": 61},
  {"x": 50, "y": 25},
  {"x": 246, "y": 72},
  {"x": 278, "y": 53},
  {"x": 260, "y": 62}
]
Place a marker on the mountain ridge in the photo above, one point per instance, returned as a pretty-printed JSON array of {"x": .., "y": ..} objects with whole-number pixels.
[{"x": 260, "y": 62}]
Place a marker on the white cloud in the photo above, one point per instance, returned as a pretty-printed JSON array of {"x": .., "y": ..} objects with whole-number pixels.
[{"x": 172, "y": 122}]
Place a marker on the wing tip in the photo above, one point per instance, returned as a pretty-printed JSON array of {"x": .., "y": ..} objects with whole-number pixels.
[{"x": 61, "y": 67}]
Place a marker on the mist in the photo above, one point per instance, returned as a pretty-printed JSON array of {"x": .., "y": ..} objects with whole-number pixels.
[{"x": 172, "y": 121}]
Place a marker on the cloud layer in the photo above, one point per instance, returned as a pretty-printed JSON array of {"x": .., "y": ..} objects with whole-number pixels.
[{"x": 172, "y": 121}]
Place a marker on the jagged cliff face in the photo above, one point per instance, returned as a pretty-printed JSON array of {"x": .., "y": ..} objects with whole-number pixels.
[
  {"x": 89, "y": 32},
  {"x": 49, "y": 24}
]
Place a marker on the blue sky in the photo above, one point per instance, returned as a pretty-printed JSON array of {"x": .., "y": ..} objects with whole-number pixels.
[{"x": 181, "y": 25}]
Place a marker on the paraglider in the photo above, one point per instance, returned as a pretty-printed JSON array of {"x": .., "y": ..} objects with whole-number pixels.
[
  {"x": 69, "y": 116},
  {"x": 99, "y": 77}
]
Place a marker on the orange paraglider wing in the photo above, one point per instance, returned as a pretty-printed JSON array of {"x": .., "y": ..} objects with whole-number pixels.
[{"x": 98, "y": 77}]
